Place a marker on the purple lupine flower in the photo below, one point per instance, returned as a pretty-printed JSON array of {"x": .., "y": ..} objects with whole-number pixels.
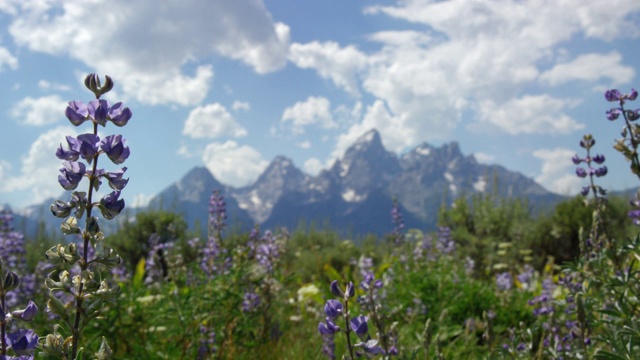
[
  {"x": 73, "y": 151},
  {"x": 116, "y": 148},
  {"x": 250, "y": 302},
  {"x": 581, "y": 172},
  {"x": 445, "y": 243},
  {"x": 525, "y": 276},
  {"x": 601, "y": 171},
  {"x": 329, "y": 346},
  {"x": 27, "y": 314},
  {"x": 70, "y": 174},
  {"x": 633, "y": 115},
  {"x": 370, "y": 347},
  {"x": 23, "y": 342},
  {"x": 267, "y": 251},
  {"x": 398, "y": 222},
  {"x": 613, "y": 113},
  {"x": 612, "y": 95},
  {"x": 598, "y": 159},
  {"x": 335, "y": 289},
  {"x": 98, "y": 111},
  {"x": 359, "y": 325},
  {"x": 110, "y": 206},
  {"x": 77, "y": 112},
  {"x": 576, "y": 159},
  {"x": 333, "y": 308},
  {"x": 328, "y": 327},
  {"x": 504, "y": 281},
  {"x": 116, "y": 182},
  {"x": 119, "y": 115},
  {"x": 88, "y": 148},
  {"x": 207, "y": 343},
  {"x": 217, "y": 212}
]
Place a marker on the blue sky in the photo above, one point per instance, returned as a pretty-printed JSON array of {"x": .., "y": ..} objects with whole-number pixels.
[{"x": 232, "y": 84}]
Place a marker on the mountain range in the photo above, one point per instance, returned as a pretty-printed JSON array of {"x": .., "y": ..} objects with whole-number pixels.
[{"x": 356, "y": 194}]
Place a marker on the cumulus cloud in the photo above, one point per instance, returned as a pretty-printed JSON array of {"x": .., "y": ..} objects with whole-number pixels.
[
  {"x": 39, "y": 111},
  {"x": 40, "y": 166},
  {"x": 480, "y": 56},
  {"x": 147, "y": 54},
  {"x": 233, "y": 164},
  {"x": 530, "y": 114},
  {"x": 7, "y": 59},
  {"x": 46, "y": 85},
  {"x": 313, "y": 111},
  {"x": 484, "y": 158},
  {"x": 590, "y": 67},
  {"x": 339, "y": 64},
  {"x": 557, "y": 176},
  {"x": 212, "y": 121},
  {"x": 313, "y": 166},
  {"x": 241, "y": 105}
]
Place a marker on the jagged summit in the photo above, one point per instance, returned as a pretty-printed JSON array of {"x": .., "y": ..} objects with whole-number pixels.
[{"x": 356, "y": 193}]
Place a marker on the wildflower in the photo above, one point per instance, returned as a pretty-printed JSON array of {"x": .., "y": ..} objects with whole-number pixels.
[
  {"x": 119, "y": 115},
  {"x": 359, "y": 325},
  {"x": 70, "y": 174},
  {"x": 116, "y": 149},
  {"x": 504, "y": 281},
  {"x": 26, "y": 314},
  {"x": 116, "y": 182},
  {"x": 88, "y": 148},
  {"x": 333, "y": 308},
  {"x": 110, "y": 206},
  {"x": 328, "y": 327},
  {"x": 23, "y": 342}
]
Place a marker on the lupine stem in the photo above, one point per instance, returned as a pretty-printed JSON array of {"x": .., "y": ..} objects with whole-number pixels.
[
  {"x": 85, "y": 263},
  {"x": 347, "y": 331},
  {"x": 634, "y": 144}
]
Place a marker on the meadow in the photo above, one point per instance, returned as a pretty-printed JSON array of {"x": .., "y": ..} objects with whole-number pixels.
[{"x": 494, "y": 281}]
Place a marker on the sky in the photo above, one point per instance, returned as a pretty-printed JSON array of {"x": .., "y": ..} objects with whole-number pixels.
[{"x": 230, "y": 85}]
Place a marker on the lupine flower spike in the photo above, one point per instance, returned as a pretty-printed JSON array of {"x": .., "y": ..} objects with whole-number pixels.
[{"x": 80, "y": 160}]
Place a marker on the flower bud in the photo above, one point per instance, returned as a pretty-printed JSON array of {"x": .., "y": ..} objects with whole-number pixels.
[{"x": 10, "y": 281}]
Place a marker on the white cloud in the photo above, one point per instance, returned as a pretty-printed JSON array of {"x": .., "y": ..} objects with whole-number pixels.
[
  {"x": 233, "y": 164},
  {"x": 340, "y": 65},
  {"x": 557, "y": 171},
  {"x": 46, "y": 85},
  {"x": 304, "y": 144},
  {"x": 484, "y": 158},
  {"x": 530, "y": 114},
  {"x": 314, "y": 110},
  {"x": 141, "y": 200},
  {"x": 212, "y": 121},
  {"x": 7, "y": 60},
  {"x": 590, "y": 67},
  {"x": 145, "y": 46},
  {"x": 183, "y": 150},
  {"x": 41, "y": 111},
  {"x": 398, "y": 130},
  {"x": 39, "y": 171},
  {"x": 480, "y": 55},
  {"x": 241, "y": 105},
  {"x": 313, "y": 166},
  {"x": 5, "y": 171}
]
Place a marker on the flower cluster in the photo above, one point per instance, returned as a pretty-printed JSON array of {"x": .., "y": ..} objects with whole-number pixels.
[
  {"x": 398, "y": 222},
  {"x": 587, "y": 143},
  {"x": 88, "y": 292},
  {"x": 628, "y": 144},
  {"x": 334, "y": 310}
]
